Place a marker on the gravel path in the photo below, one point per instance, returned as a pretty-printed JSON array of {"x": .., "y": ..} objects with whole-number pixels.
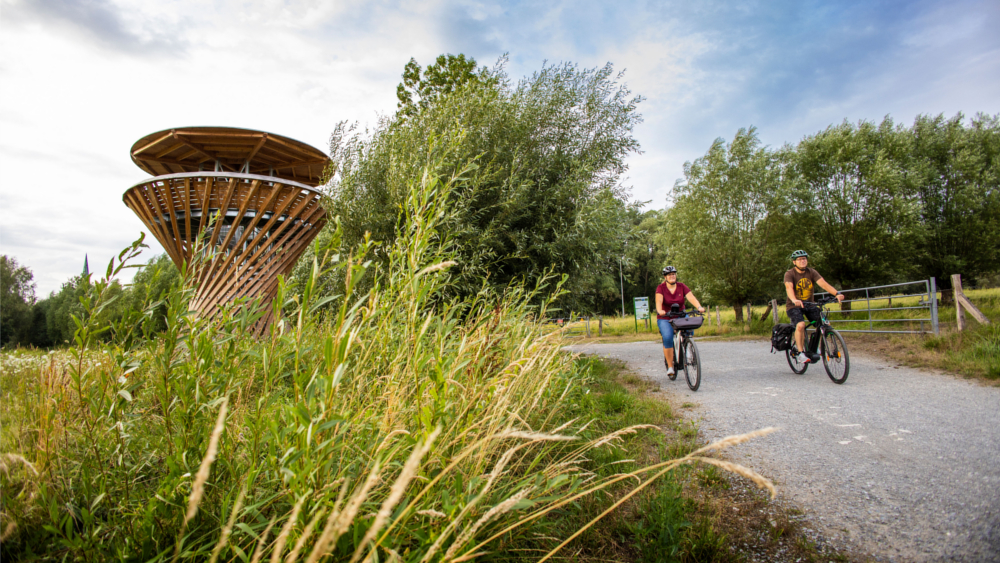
[{"x": 897, "y": 462}]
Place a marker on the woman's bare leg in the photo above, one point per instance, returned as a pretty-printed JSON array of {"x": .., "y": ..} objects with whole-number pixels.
[{"x": 668, "y": 355}]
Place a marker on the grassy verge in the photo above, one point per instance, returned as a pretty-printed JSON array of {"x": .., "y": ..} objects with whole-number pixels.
[
  {"x": 974, "y": 353},
  {"x": 397, "y": 423},
  {"x": 696, "y": 513}
]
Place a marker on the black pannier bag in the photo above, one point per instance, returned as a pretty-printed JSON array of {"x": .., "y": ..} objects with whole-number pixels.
[
  {"x": 687, "y": 323},
  {"x": 781, "y": 337}
]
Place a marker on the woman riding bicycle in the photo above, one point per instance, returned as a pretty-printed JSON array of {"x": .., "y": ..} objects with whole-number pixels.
[{"x": 670, "y": 292}]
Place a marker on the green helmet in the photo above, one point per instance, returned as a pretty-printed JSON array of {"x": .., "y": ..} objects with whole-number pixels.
[{"x": 799, "y": 254}]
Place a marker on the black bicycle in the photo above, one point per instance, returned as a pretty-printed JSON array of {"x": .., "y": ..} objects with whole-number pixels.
[
  {"x": 826, "y": 341},
  {"x": 686, "y": 354}
]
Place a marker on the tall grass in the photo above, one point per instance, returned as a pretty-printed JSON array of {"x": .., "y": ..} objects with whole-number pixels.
[{"x": 391, "y": 424}]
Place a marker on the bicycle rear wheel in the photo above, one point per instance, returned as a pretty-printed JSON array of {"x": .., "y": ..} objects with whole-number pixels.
[
  {"x": 692, "y": 364},
  {"x": 792, "y": 355},
  {"x": 835, "y": 358}
]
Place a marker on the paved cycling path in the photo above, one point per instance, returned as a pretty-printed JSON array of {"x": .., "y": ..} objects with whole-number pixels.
[{"x": 898, "y": 462}]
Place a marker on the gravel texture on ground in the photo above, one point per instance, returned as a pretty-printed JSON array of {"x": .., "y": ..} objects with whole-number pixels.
[{"x": 900, "y": 463}]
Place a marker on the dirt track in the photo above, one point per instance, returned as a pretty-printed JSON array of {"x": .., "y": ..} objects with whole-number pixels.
[{"x": 900, "y": 463}]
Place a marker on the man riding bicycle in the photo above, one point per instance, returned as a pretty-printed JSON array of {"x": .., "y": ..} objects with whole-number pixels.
[{"x": 800, "y": 283}]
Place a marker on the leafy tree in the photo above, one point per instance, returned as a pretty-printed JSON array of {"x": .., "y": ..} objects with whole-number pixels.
[
  {"x": 647, "y": 253},
  {"x": 544, "y": 190},
  {"x": 853, "y": 208},
  {"x": 62, "y": 306},
  {"x": 954, "y": 171},
  {"x": 421, "y": 88},
  {"x": 17, "y": 295},
  {"x": 150, "y": 285},
  {"x": 728, "y": 226},
  {"x": 38, "y": 332}
]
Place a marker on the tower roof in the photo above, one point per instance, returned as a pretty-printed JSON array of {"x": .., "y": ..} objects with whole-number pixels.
[{"x": 229, "y": 149}]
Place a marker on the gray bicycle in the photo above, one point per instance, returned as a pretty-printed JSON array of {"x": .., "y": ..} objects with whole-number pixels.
[{"x": 686, "y": 354}]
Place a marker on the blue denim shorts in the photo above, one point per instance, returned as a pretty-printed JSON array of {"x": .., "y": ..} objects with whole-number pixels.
[{"x": 667, "y": 332}]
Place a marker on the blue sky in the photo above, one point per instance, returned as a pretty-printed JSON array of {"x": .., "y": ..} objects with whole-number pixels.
[{"x": 81, "y": 80}]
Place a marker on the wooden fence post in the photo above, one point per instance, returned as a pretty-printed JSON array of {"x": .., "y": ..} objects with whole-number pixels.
[
  {"x": 749, "y": 315},
  {"x": 588, "y": 326},
  {"x": 600, "y": 325},
  {"x": 774, "y": 307},
  {"x": 956, "y": 285},
  {"x": 963, "y": 304},
  {"x": 718, "y": 318}
]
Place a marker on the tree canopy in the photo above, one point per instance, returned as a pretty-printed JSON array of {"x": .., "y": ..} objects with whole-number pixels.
[
  {"x": 729, "y": 217},
  {"x": 854, "y": 209},
  {"x": 545, "y": 190},
  {"x": 17, "y": 296},
  {"x": 422, "y": 87}
]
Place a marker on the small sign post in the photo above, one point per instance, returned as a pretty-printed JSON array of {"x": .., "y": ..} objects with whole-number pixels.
[{"x": 641, "y": 310}]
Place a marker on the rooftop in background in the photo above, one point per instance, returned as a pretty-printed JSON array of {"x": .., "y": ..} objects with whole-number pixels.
[{"x": 229, "y": 149}]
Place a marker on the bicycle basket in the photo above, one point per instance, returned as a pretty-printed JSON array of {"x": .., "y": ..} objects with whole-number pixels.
[{"x": 687, "y": 323}]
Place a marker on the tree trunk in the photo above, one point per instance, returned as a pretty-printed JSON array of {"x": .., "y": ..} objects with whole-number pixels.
[
  {"x": 738, "y": 308},
  {"x": 846, "y": 307},
  {"x": 947, "y": 293}
]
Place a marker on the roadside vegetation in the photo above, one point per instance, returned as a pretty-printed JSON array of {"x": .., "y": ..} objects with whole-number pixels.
[{"x": 397, "y": 424}]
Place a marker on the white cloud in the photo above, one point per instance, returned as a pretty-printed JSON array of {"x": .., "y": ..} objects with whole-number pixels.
[{"x": 80, "y": 81}]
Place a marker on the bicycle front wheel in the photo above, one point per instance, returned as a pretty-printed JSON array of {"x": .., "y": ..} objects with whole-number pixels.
[
  {"x": 692, "y": 364},
  {"x": 835, "y": 358}
]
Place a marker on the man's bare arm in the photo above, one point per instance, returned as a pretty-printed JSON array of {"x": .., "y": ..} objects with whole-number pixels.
[
  {"x": 790, "y": 292},
  {"x": 822, "y": 283}
]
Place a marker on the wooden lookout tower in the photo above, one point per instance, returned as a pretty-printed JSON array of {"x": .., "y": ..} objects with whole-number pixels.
[{"x": 248, "y": 195}]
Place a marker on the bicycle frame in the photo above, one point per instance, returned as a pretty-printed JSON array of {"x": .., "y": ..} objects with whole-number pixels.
[
  {"x": 822, "y": 326},
  {"x": 679, "y": 337}
]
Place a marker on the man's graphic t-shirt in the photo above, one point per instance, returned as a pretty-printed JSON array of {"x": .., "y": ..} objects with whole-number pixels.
[{"x": 803, "y": 284}]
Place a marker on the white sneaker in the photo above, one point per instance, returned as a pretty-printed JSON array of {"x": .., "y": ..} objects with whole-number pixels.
[
  {"x": 670, "y": 371},
  {"x": 802, "y": 358}
]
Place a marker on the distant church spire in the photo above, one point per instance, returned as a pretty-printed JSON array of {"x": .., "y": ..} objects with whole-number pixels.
[{"x": 86, "y": 267}]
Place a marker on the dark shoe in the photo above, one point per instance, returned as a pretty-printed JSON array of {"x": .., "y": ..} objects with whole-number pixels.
[{"x": 814, "y": 357}]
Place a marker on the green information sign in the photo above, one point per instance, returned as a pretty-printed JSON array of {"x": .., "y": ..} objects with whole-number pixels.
[{"x": 641, "y": 310}]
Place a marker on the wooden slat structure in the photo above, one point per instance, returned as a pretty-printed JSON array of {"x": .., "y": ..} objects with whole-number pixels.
[
  {"x": 228, "y": 149},
  {"x": 208, "y": 186}
]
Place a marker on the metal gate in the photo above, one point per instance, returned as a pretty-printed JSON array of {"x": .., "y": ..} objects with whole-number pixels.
[{"x": 881, "y": 297}]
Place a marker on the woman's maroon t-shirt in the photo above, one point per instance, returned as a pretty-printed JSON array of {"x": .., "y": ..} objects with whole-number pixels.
[{"x": 670, "y": 298}]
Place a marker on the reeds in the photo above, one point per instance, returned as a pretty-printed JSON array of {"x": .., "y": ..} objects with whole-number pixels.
[{"x": 398, "y": 423}]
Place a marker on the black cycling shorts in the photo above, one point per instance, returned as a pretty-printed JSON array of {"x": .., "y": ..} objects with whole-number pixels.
[{"x": 795, "y": 314}]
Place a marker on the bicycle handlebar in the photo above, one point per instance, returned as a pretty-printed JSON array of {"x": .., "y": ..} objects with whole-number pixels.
[
  {"x": 820, "y": 302},
  {"x": 682, "y": 314}
]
